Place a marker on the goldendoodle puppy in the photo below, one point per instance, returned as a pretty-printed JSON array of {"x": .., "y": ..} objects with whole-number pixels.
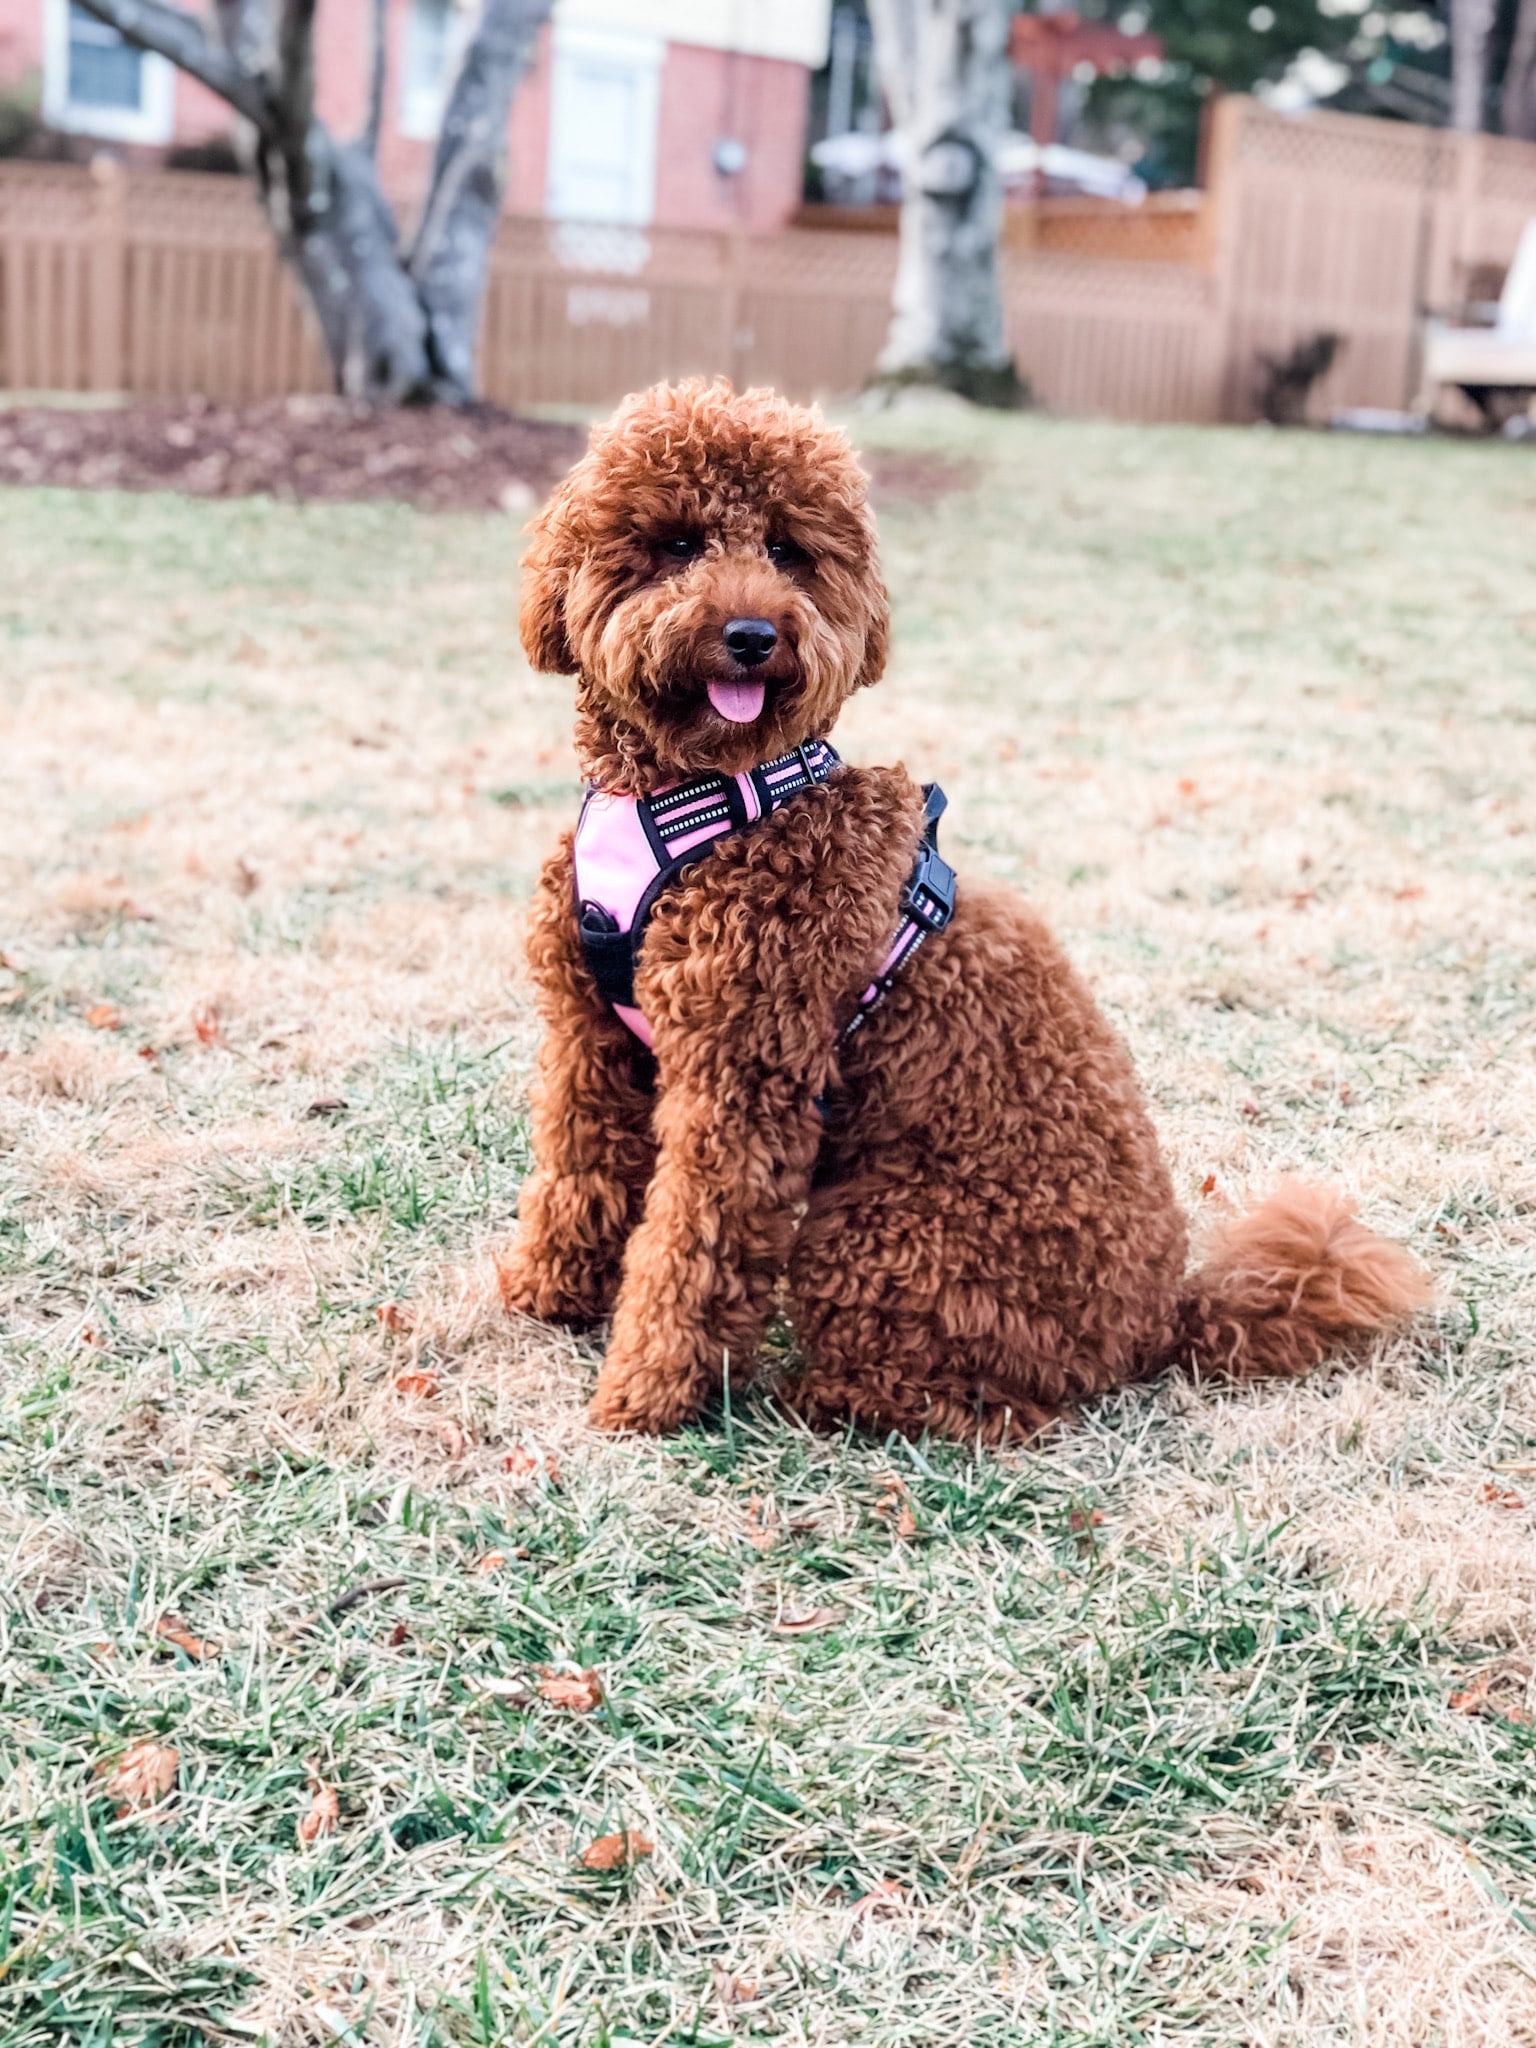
[{"x": 782, "y": 1046}]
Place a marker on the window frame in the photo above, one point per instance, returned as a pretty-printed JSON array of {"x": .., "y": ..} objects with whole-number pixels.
[
  {"x": 642, "y": 55},
  {"x": 153, "y": 121}
]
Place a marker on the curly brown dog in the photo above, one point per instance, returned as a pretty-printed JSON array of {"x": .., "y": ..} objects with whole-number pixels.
[{"x": 964, "y": 1198}]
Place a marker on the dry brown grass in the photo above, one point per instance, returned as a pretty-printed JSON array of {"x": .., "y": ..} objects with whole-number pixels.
[{"x": 1252, "y": 720}]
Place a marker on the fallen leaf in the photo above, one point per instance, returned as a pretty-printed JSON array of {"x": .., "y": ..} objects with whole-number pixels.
[
  {"x": 886, "y": 1893},
  {"x": 577, "y": 1694},
  {"x": 797, "y": 1621},
  {"x": 613, "y": 1852},
  {"x": 454, "y": 1441},
  {"x": 732, "y": 1990},
  {"x": 760, "y": 1532},
  {"x": 208, "y": 1024},
  {"x": 1078, "y": 1521},
  {"x": 1472, "y": 1699},
  {"x": 417, "y": 1381},
  {"x": 1405, "y": 895},
  {"x": 324, "y": 1812},
  {"x": 104, "y": 1017},
  {"x": 103, "y": 1650},
  {"x": 398, "y": 1634},
  {"x": 394, "y": 1318},
  {"x": 247, "y": 881},
  {"x": 1499, "y": 1496},
  {"x": 171, "y": 1629},
  {"x": 523, "y": 1464},
  {"x": 1208, "y": 1186},
  {"x": 142, "y": 1777},
  {"x": 492, "y": 1561},
  {"x": 210, "y": 1478},
  {"x": 327, "y": 1105},
  {"x": 906, "y": 1525}
]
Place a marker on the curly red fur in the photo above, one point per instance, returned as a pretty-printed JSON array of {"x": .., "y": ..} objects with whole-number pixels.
[{"x": 980, "y": 1231}]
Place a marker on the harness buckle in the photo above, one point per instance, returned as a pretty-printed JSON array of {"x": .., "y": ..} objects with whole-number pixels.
[{"x": 929, "y": 896}]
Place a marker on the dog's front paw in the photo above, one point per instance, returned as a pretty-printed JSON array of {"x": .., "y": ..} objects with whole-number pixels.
[
  {"x": 633, "y": 1399},
  {"x": 552, "y": 1290}
]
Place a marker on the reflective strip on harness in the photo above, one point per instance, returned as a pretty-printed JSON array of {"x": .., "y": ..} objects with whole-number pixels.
[{"x": 628, "y": 849}]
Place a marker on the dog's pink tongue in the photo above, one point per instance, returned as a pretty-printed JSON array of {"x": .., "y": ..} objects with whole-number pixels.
[{"x": 740, "y": 702}]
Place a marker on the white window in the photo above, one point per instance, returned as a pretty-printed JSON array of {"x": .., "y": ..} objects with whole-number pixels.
[
  {"x": 436, "y": 32},
  {"x": 96, "y": 84},
  {"x": 602, "y": 126}
]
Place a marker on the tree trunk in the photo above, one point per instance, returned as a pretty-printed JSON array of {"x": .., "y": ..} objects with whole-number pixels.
[
  {"x": 944, "y": 69},
  {"x": 452, "y": 250},
  {"x": 397, "y": 328},
  {"x": 1471, "y": 26},
  {"x": 1518, "y": 107},
  {"x": 340, "y": 237}
]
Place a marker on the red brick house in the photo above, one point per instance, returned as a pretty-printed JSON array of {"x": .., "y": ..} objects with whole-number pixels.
[{"x": 673, "y": 113}]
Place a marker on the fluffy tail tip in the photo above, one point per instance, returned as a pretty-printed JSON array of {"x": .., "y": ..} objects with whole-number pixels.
[{"x": 1294, "y": 1278}]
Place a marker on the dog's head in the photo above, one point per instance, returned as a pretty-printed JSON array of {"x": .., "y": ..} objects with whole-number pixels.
[{"x": 709, "y": 571}]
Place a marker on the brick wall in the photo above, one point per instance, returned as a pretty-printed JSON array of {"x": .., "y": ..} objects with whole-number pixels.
[
  {"x": 761, "y": 102},
  {"x": 706, "y": 95}
]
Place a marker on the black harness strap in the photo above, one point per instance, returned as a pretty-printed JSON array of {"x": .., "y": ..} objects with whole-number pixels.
[{"x": 681, "y": 825}]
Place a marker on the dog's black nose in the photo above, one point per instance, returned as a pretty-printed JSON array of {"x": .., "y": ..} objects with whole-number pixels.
[{"x": 750, "y": 641}]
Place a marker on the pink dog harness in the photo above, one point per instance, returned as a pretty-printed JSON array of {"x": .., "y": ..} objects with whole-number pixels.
[{"x": 628, "y": 849}]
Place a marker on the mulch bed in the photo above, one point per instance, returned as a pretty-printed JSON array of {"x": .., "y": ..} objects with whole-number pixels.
[{"x": 480, "y": 459}]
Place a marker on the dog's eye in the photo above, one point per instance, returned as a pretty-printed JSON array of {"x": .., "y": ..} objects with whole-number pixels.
[
  {"x": 681, "y": 547},
  {"x": 787, "y": 555}
]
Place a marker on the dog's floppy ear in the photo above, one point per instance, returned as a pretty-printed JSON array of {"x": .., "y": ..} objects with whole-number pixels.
[
  {"x": 877, "y": 645},
  {"x": 546, "y": 575}
]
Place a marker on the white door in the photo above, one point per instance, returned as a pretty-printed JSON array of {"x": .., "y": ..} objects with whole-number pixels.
[{"x": 602, "y": 130}]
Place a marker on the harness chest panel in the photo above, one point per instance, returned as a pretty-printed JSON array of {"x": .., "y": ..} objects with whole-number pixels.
[{"x": 628, "y": 849}]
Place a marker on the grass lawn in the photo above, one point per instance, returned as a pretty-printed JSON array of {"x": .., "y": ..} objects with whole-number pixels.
[{"x": 1207, "y": 1720}]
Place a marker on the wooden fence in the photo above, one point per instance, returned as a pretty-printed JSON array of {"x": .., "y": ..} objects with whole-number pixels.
[{"x": 166, "y": 284}]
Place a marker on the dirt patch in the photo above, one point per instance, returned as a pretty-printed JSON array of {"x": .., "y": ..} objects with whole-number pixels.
[{"x": 480, "y": 459}]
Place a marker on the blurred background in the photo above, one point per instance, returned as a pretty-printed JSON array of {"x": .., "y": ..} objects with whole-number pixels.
[{"x": 1200, "y": 212}]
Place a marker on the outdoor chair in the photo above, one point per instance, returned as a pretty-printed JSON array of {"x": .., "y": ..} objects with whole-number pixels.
[{"x": 1495, "y": 366}]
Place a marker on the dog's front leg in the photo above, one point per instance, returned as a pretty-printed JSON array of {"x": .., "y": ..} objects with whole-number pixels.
[
  {"x": 747, "y": 966},
  {"x": 735, "y": 1160},
  {"x": 592, "y": 1143}
]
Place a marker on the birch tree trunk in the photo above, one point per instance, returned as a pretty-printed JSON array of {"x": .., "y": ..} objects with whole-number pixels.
[
  {"x": 944, "y": 69},
  {"x": 1518, "y": 105},
  {"x": 398, "y": 327},
  {"x": 1471, "y": 26}
]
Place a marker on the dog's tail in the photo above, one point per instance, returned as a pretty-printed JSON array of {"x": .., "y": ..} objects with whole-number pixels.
[{"x": 1284, "y": 1285}]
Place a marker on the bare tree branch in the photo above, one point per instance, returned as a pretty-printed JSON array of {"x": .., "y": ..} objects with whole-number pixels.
[
  {"x": 897, "y": 55},
  {"x": 1518, "y": 106},
  {"x": 171, "y": 32},
  {"x": 379, "y": 61},
  {"x": 458, "y": 223},
  {"x": 296, "y": 64},
  {"x": 1471, "y": 27}
]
